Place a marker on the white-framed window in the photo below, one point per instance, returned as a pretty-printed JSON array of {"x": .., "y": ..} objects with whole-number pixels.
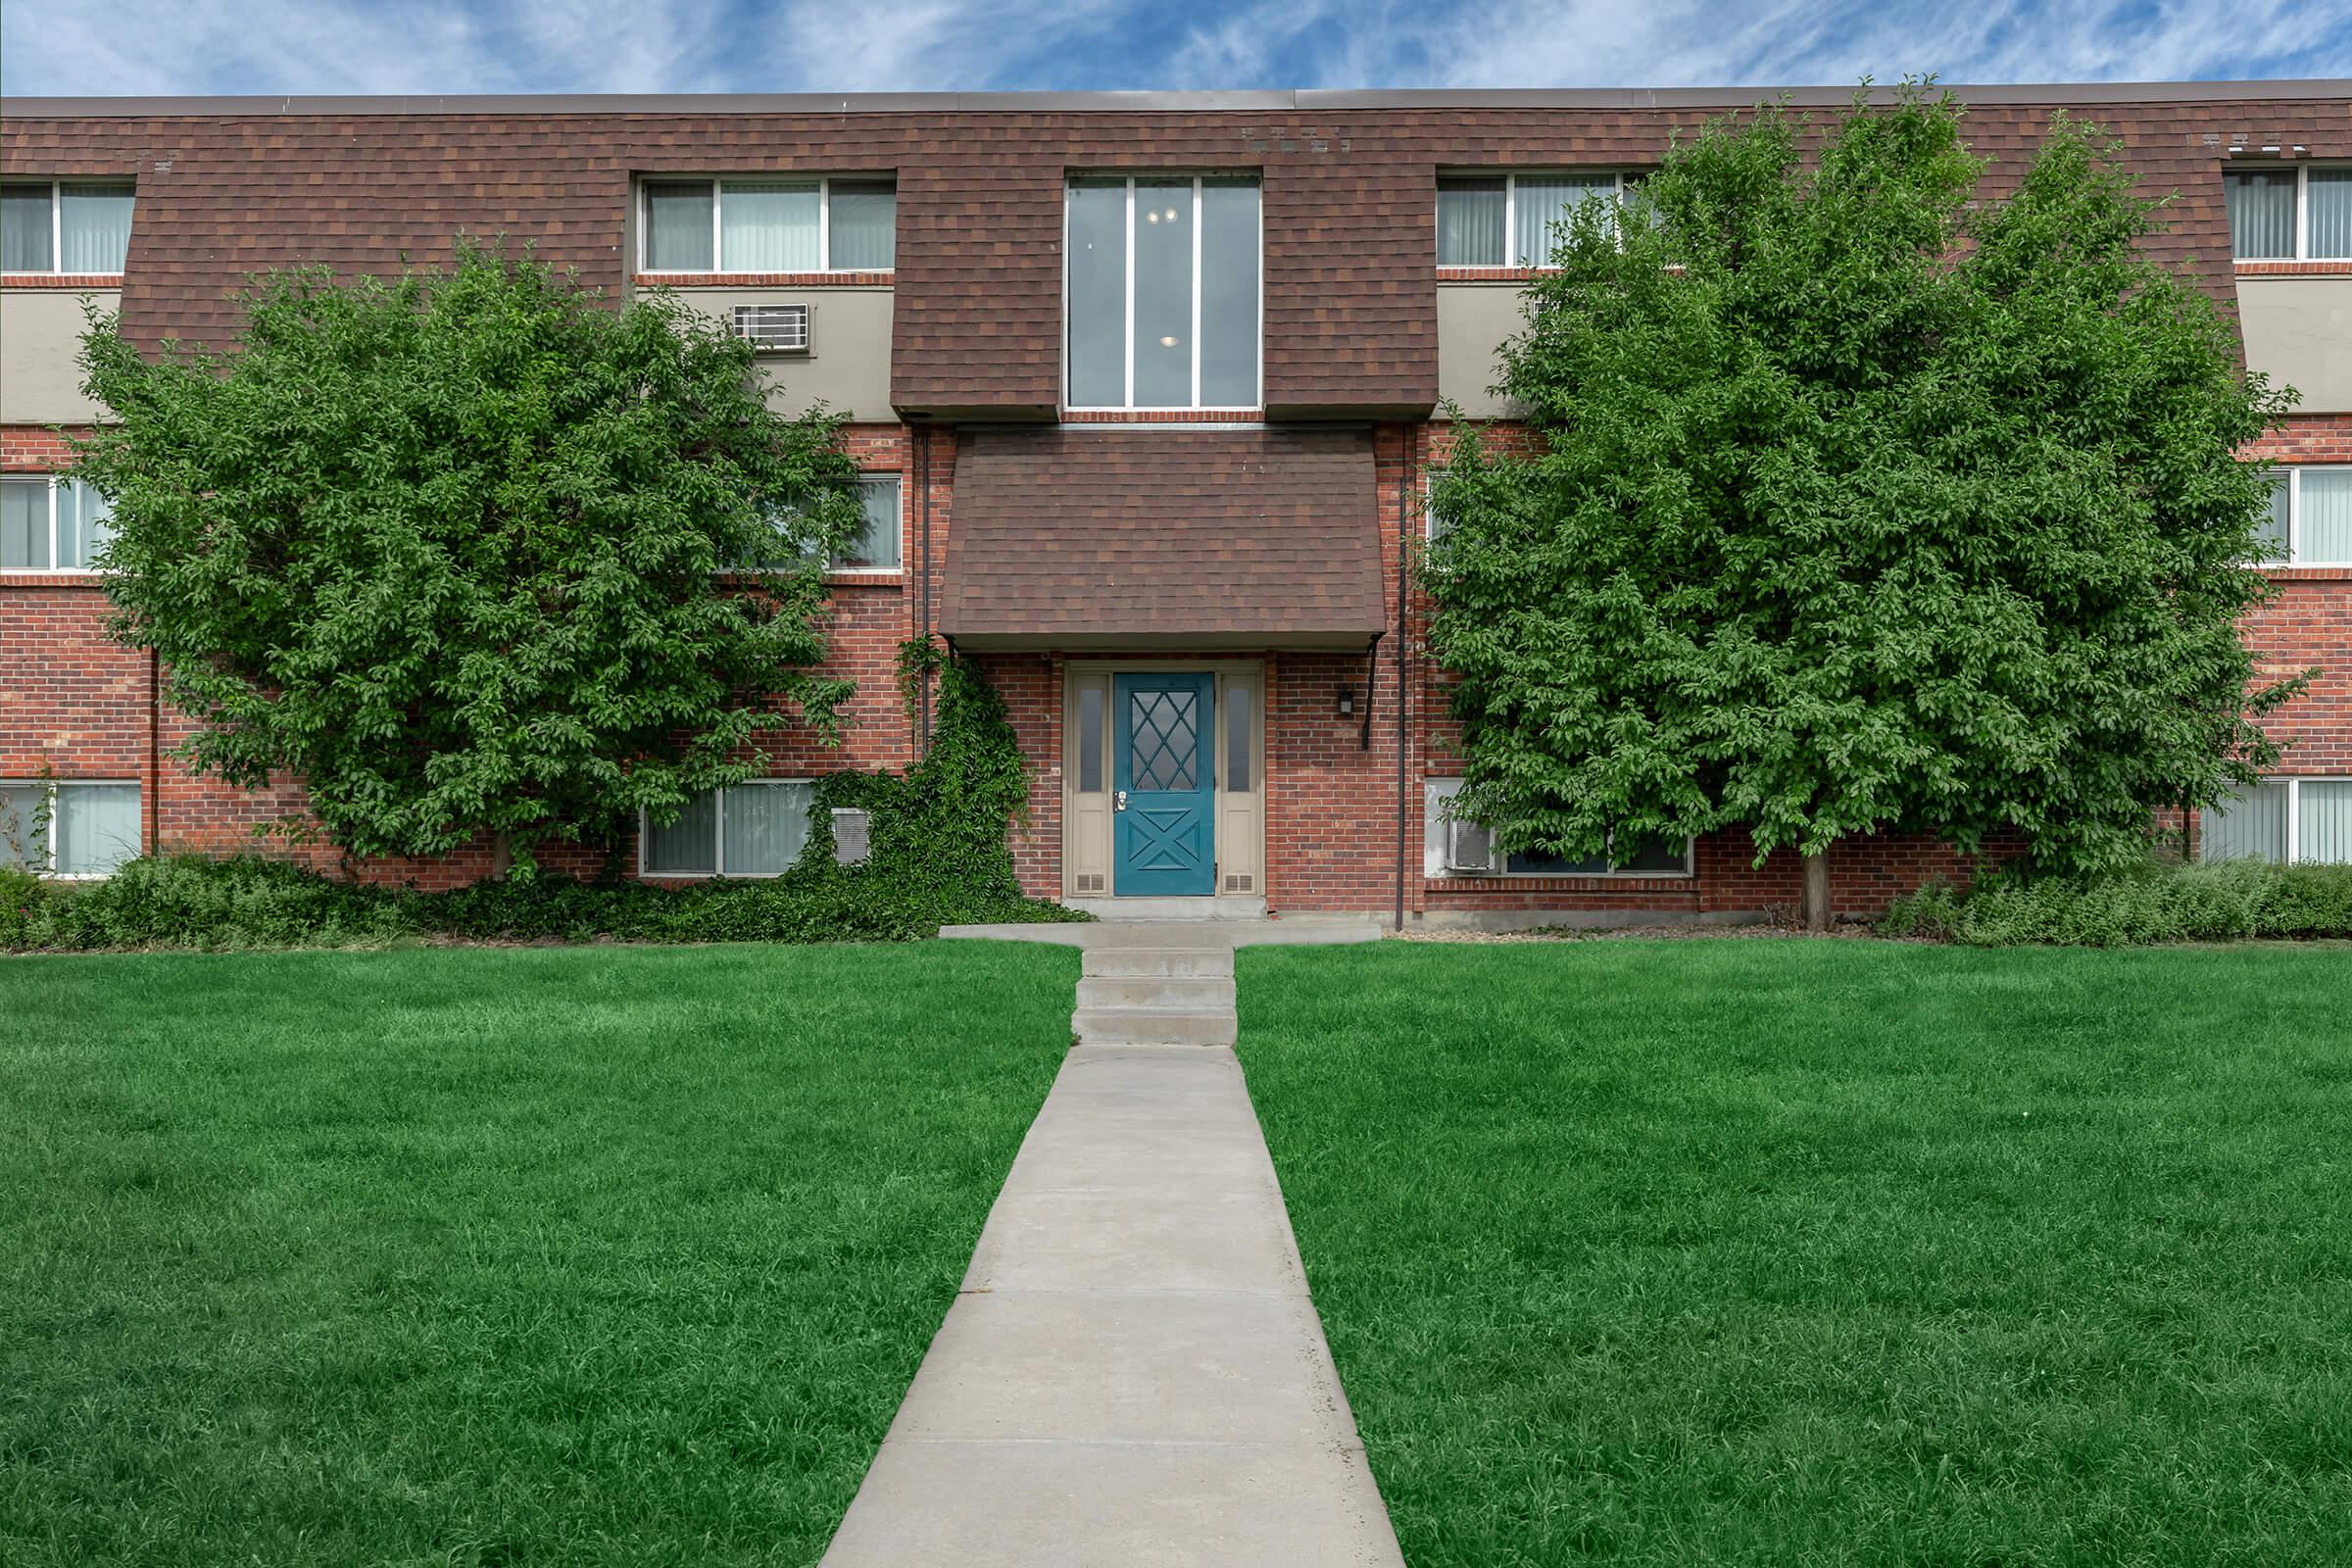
[
  {"x": 876, "y": 548},
  {"x": 74, "y": 227},
  {"x": 1508, "y": 221},
  {"x": 2289, "y": 213},
  {"x": 69, "y": 827},
  {"x": 2310, "y": 517},
  {"x": 1162, "y": 291},
  {"x": 2285, "y": 819},
  {"x": 51, "y": 523},
  {"x": 1433, "y": 524},
  {"x": 752, "y": 830},
  {"x": 1457, "y": 847},
  {"x": 769, "y": 225}
]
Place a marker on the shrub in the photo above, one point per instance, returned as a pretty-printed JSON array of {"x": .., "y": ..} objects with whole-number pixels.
[
  {"x": 2150, "y": 903},
  {"x": 939, "y": 857}
]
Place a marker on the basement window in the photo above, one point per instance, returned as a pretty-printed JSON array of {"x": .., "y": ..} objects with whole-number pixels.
[
  {"x": 769, "y": 225},
  {"x": 69, "y": 827},
  {"x": 68, "y": 228},
  {"x": 2282, "y": 819},
  {"x": 1457, "y": 847},
  {"x": 752, "y": 830}
]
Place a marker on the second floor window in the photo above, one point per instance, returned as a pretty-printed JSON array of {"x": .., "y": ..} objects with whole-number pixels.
[
  {"x": 2289, "y": 214},
  {"x": 1163, "y": 292},
  {"x": 770, "y": 226},
  {"x": 1510, "y": 219},
  {"x": 63, "y": 226}
]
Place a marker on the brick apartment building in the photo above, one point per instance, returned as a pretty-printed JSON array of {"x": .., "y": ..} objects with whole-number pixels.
[{"x": 1147, "y": 388}]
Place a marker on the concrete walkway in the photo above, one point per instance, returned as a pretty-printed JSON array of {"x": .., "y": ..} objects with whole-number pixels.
[{"x": 1133, "y": 1373}]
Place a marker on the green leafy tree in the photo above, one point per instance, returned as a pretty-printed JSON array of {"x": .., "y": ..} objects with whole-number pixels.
[
  {"x": 1854, "y": 504},
  {"x": 460, "y": 550}
]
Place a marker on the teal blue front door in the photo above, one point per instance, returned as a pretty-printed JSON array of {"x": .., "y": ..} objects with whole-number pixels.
[{"x": 1163, "y": 815}]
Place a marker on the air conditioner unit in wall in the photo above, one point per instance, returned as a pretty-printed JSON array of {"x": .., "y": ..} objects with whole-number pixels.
[
  {"x": 1469, "y": 847},
  {"x": 774, "y": 328}
]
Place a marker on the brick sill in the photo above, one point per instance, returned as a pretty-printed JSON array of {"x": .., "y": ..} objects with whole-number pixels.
[
  {"x": 91, "y": 581},
  {"x": 2308, "y": 573},
  {"x": 83, "y": 281},
  {"x": 2337, "y": 269},
  {"x": 873, "y": 279}
]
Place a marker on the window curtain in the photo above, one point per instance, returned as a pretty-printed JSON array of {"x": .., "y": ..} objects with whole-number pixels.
[
  {"x": 690, "y": 844},
  {"x": 20, "y": 844},
  {"x": 878, "y": 547},
  {"x": 864, "y": 226},
  {"x": 2324, "y": 820},
  {"x": 24, "y": 525},
  {"x": 767, "y": 826},
  {"x": 677, "y": 227},
  {"x": 1470, "y": 218},
  {"x": 2323, "y": 533},
  {"x": 1229, "y": 273},
  {"x": 769, "y": 225},
  {"x": 2274, "y": 532},
  {"x": 94, "y": 227},
  {"x": 1542, "y": 206},
  {"x": 96, "y": 827},
  {"x": 2330, "y": 218},
  {"x": 2262, "y": 214},
  {"x": 24, "y": 228},
  {"x": 82, "y": 525},
  {"x": 2253, "y": 825}
]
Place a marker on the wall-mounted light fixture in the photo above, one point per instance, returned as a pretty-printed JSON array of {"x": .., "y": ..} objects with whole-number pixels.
[{"x": 1347, "y": 707}]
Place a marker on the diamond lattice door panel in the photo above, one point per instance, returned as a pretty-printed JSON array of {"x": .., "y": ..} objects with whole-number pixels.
[{"x": 1163, "y": 831}]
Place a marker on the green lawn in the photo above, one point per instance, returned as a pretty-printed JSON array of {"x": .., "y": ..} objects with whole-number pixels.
[
  {"x": 1827, "y": 1253},
  {"x": 587, "y": 1256}
]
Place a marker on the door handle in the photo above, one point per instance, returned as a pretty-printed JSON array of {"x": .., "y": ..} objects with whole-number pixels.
[{"x": 1119, "y": 804}]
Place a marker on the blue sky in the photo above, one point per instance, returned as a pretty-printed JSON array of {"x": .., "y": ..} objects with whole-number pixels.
[{"x": 87, "y": 48}]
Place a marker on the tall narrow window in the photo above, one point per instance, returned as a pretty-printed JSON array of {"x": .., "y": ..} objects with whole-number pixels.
[
  {"x": 1090, "y": 738},
  {"x": 2329, "y": 193},
  {"x": 1163, "y": 292},
  {"x": 77, "y": 226},
  {"x": 1241, "y": 738}
]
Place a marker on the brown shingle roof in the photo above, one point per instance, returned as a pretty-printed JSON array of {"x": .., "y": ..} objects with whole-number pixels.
[
  {"x": 1350, "y": 299},
  {"x": 1093, "y": 537}
]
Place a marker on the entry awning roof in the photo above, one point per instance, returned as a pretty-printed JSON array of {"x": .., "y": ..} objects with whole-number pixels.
[{"x": 1098, "y": 537}]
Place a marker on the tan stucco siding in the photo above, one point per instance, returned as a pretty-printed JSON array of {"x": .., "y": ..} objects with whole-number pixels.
[
  {"x": 848, "y": 363},
  {"x": 1472, "y": 320},
  {"x": 2299, "y": 331},
  {"x": 40, "y": 339}
]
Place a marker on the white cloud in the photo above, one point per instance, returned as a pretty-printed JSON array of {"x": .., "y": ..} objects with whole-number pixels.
[{"x": 452, "y": 46}]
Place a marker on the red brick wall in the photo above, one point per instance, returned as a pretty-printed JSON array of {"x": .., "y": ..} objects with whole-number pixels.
[{"x": 78, "y": 703}]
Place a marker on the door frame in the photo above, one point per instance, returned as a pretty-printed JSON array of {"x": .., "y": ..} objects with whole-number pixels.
[{"x": 1080, "y": 819}]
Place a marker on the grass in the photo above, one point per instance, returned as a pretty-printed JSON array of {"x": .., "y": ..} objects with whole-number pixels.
[
  {"x": 584, "y": 1256},
  {"x": 1827, "y": 1253}
]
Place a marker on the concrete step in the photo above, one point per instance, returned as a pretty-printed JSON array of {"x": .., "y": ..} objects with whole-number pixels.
[
  {"x": 1186, "y": 910},
  {"x": 1187, "y": 993},
  {"x": 1121, "y": 962},
  {"x": 1154, "y": 1026}
]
